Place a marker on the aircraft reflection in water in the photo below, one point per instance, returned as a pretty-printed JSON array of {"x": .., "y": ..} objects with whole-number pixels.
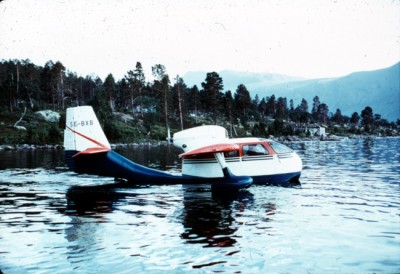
[
  {"x": 87, "y": 200},
  {"x": 206, "y": 215}
]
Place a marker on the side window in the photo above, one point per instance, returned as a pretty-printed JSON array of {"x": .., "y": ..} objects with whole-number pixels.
[
  {"x": 233, "y": 153},
  {"x": 255, "y": 149}
]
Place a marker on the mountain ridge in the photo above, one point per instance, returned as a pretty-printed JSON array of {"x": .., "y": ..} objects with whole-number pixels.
[{"x": 379, "y": 89}]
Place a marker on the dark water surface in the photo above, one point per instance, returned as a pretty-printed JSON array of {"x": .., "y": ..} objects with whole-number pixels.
[{"x": 345, "y": 217}]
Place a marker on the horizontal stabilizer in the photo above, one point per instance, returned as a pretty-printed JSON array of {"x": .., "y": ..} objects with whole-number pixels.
[{"x": 93, "y": 150}]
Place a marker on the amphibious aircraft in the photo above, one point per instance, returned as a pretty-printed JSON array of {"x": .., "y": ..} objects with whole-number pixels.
[{"x": 209, "y": 156}]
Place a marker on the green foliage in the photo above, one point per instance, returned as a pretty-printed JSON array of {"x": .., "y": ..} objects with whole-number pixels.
[
  {"x": 119, "y": 131},
  {"x": 158, "y": 132},
  {"x": 45, "y": 133},
  {"x": 280, "y": 128},
  {"x": 11, "y": 135},
  {"x": 156, "y": 105},
  {"x": 212, "y": 94},
  {"x": 259, "y": 130},
  {"x": 367, "y": 118}
]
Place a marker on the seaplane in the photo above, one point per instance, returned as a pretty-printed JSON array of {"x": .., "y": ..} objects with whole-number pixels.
[{"x": 209, "y": 156}]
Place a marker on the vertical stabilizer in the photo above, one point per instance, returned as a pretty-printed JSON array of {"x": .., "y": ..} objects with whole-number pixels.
[{"x": 83, "y": 130}]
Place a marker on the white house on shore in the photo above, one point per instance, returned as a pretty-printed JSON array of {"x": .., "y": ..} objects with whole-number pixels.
[{"x": 313, "y": 130}]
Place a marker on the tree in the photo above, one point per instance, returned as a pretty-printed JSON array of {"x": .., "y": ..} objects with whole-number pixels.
[
  {"x": 301, "y": 113},
  {"x": 100, "y": 103},
  {"x": 379, "y": 122},
  {"x": 229, "y": 110},
  {"x": 9, "y": 84},
  {"x": 29, "y": 85},
  {"x": 314, "y": 111},
  {"x": 367, "y": 118},
  {"x": 109, "y": 87},
  {"x": 262, "y": 107},
  {"x": 123, "y": 100},
  {"x": 271, "y": 106},
  {"x": 355, "y": 118},
  {"x": 242, "y": 99},
  {"x": 281, "y": 108},
  {"x": 162, "y": 80},
  {"x": 322, "y": 113},
  {"x": 136, "y": 80},
  {"x": 212, "y": 86},
  {"x": 291, "y": 105},
  {"x": 303, "y": 107},
  {"x": 139, "y": 84},
  {"x": 59, "y": 75},
  {"x": 179, "y": 89},
  {"x": 194, "y": 101},
  {"x": 337, "y": 118},
  {"x": 130, "y": 77},
  {"x": 292, "y": 112},
  {"x": 254, "y": 106},
  {"x": 52, "y": 84}
]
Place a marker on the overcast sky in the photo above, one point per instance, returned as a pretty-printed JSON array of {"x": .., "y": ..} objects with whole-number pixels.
[{"x": 311, "y": 39}]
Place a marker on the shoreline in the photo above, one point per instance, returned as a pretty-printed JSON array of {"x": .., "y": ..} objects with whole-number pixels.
[{"x": 282, "y": 139}]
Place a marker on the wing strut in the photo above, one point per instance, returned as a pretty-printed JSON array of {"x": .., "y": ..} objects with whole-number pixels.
[{"x": 221, "y": 160}]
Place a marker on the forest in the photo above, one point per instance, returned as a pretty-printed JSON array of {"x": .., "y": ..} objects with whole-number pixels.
[{"x": 132, "y": 109}]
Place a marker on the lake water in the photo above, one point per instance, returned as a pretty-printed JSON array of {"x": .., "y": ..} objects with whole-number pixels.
[{"x": 343, "y": 218}]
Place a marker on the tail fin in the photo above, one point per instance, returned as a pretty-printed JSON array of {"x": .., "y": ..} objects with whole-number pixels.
[{"x": 83, "y": 132}]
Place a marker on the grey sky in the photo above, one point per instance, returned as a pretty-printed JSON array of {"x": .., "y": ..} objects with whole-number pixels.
[{"x": 307, "y": 38}]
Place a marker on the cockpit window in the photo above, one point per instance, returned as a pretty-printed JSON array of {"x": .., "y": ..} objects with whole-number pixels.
[
  {"x": 233, "y": 153},
  {"x": 254, "y": 149},
  {"x": 279, "y": 148}
]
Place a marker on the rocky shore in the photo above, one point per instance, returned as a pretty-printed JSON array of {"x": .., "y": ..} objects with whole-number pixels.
[
  {"x": 29, "y": 147},
  {"x": 284, "y": 139},
  {"x": 319, "y": 138},
  {"x": 59, "y": 147}
]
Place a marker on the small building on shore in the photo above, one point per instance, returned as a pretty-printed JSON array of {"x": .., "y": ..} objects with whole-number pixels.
[{"x": 312, "y": 130}]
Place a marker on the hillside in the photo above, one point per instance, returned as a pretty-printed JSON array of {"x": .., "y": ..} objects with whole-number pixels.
[{"x": 379, "y": 89}]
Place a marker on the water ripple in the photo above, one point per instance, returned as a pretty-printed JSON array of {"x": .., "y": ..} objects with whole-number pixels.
[{"x": 345, "y": 211}]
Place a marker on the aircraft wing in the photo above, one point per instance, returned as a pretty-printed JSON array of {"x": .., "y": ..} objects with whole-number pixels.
[{"x": 211, "y": 149}]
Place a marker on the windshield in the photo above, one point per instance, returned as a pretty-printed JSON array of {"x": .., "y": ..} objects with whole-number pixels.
[
  {"x": 254, "y": 149},
  {"x": 279, "y": 148}
]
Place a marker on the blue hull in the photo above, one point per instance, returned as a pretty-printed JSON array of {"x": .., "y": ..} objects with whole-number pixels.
[
  {"x": 112, "y": 164},
  {"x": 277, "y": 179}
]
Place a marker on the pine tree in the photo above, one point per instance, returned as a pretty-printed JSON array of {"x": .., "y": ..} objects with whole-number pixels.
[
  {"x": 162, "y": 81},
  {"x": 179, "y": 98},
  {"x": 109, "y": 87},
  {"x": 367, "y": 118},
  {"x": 139, "y": 82},
  {"x": 314, "y": 111},
  {"x": 355, "y": 118},
  {"x": 212, "y": 86},
  {"x": 262, "y": 107},
  {"x": 242, "y": 99},
  {"x": 271, "y": 106},
  {"x": 281, "y": 108},
  {"x": 337, "y": 117},
  {"x": 194, "y": 101},
  {"x": 322, "y": 113},
  {"x": 229, "y": 110}
]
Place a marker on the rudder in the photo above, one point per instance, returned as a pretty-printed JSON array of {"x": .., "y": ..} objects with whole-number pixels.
[{"x": 83, "y": 132}]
